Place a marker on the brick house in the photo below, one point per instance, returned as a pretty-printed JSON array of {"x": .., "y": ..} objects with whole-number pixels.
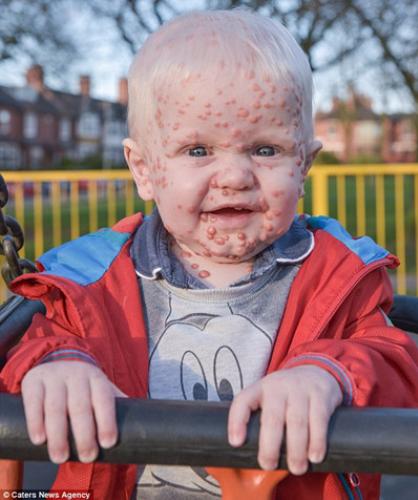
[
  {"x": 40, "y": 126},
  {"x": 352, "y": 130},
  {"x": 10, "y": 130}
]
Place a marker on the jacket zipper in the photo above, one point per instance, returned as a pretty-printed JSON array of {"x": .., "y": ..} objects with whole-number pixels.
[
  {"x": 348, "y": 479},
  {"x": 351, "y": 485}
]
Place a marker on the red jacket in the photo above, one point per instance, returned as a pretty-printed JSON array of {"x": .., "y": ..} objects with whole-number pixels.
[{"x": 333, "y": 318}]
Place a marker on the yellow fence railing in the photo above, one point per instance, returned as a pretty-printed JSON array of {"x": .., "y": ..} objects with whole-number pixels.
[{"x": 378, "y": 200}]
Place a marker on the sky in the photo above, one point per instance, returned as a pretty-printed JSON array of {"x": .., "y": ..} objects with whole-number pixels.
[{"x": 105, "y": 58}]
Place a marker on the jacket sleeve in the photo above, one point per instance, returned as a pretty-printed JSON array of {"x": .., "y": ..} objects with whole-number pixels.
[
  {"x": 375, "y": 363},
  {"x": 44, "y": 337}
]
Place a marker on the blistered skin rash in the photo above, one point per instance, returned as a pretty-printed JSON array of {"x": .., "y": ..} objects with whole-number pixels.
[{"x": 227, "y": 166}]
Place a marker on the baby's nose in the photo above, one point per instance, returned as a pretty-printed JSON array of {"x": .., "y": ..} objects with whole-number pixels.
[{"x": 237, "y": 174}]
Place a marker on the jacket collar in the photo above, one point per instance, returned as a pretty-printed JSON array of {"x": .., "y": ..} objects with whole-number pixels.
[{"x": 153, "y": 259}]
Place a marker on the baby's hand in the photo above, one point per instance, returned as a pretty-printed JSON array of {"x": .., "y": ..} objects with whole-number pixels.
[
  {"x": 78, "y": 390},
  {"x": 302, "y": 399}
]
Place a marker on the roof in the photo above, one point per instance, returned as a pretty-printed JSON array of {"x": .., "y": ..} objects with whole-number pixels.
[
  {"x": 28, "y": 98},
  {"x": 7, "y": 99},
  {"x": 61, "y": 103}
]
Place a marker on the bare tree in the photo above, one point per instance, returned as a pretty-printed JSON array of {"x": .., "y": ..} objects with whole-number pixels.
[
  {"x": 339, "y": 28},
  {"x": 36, "y": 30}
]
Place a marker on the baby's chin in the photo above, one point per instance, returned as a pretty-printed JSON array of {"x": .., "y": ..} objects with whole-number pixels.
[{"x": 231, "y": 254}]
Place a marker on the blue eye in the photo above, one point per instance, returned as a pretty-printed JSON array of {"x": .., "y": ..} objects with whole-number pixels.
[
  {"x": 265, "y": 151},
  {"x": 198, "y": 151}
]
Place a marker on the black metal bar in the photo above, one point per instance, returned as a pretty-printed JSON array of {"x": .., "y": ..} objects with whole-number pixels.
[
  {"x": 189, "y": 433},
  {"x": 404, "y": 313}
]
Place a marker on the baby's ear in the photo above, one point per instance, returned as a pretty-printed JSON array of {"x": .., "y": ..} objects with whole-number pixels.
[
  {"x": 139, "y": 169},
  {"x": 312, "y": 149}
]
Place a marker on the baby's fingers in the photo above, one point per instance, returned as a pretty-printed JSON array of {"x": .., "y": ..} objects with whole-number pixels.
[
  {"x": 243, "y": 404},
  {"x": 103, "y": 395},
  {"x": 271, "y": 433},
  {"x": 33, "y": 393},
  {"x": 80, "y": 412},
  {"x": 319, "y": 416},
  {"x": 56, "y": 424},
  {"x": 297, "y": 435}
]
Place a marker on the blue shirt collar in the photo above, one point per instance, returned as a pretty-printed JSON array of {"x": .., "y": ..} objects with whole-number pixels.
[{"x": 153, "y": 259}]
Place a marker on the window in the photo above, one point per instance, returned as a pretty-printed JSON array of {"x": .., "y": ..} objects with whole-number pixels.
[
  {"x": 85, "y": 150},
  {"x": 36, "y": 156},
  {"x": 89, "y": 125},
  {"x": 65, "y": 130},
  {"x": 9, "y": 155},
  {"x": 5, "y": 122},
  {"x": 30, "y": 125}
]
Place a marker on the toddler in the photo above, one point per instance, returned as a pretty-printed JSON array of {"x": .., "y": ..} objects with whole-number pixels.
[{"x": 222, "y": 293}]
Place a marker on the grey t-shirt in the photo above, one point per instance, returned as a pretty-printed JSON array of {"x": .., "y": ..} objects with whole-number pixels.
[{"x": 207, "y": 344}]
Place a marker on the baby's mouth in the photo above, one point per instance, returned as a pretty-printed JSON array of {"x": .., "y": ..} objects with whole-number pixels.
[
  {"x": 230, "y": 217},
  {"x": 230, "y": 211}
]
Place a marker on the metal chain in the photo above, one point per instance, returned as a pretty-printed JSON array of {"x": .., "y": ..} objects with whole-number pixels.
[{"x": 11, "y": 241}]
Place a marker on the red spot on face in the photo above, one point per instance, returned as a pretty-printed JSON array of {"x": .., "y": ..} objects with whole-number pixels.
[
  {"x": 256, "y": 87},
  {"x": 194, "y": 266},
  {"x": 203, "y": 217},
  {"x": 225, "y": 192},
  {"x": 263, "y": 204},
  {"x": 299, "y": 162},
  {"x": 185, "y": 254},
  {"x": 191, "y": 210},
  {"x": 213, "y": 183},
  {"x": 254, "y": 119},
  {"x": 220, "y": 241},
  {"x": 241, "y": 236},
  {"x": 269, "y": 215},
  {"x": 243, "y": 113},
  {"x": 235, "y": 132},
  {"x": 204, "y": 274},
  {"x": 278, "y": 193},
  {"x": 211, "y": 230},
  {"x": 179, "y": 207}
]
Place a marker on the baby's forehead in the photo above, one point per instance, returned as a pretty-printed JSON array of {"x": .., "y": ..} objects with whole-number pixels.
[{"x": 222, "y": 80}]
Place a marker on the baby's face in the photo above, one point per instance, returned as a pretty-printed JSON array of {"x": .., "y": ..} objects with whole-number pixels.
[{"x": 226, "y": 164}]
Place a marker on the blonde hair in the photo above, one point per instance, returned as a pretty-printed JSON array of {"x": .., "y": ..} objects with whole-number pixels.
[{"x": 195, "y": 42}]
